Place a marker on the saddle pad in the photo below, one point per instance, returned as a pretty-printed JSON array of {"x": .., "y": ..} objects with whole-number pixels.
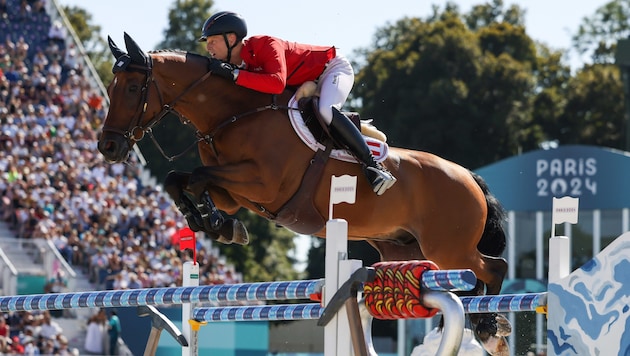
[{"x": 379, "y": 148}]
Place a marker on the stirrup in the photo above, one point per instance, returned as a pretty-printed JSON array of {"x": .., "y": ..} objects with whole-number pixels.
[{"x": 380, "y": 179}]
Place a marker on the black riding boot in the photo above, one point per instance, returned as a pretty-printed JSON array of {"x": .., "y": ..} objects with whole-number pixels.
[{"x": 344, "y": 131}]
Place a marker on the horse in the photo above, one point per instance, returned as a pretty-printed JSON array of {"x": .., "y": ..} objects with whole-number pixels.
[{"x": 253, "y": 159}]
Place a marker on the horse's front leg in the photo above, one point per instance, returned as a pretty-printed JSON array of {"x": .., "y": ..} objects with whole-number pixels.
[
  {"x": 201, "y": 212},
  {"x": 175, "y": 184}
]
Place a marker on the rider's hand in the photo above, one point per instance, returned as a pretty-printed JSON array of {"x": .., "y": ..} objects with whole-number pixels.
[{"x": 223, "y": 69}]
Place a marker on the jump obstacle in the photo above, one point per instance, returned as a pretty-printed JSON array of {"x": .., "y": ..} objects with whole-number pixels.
[
  {"x": 436, "y": 286},
  {"x": 574, "y": 328}
]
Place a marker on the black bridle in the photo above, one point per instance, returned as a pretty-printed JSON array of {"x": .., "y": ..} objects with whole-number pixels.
[{"x": 137, "y": 130}]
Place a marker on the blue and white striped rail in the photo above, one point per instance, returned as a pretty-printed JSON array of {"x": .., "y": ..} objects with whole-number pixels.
[
  {"x": 504, "y": 303},
  {"x": 480, "y": 304},
  {"x": 164, "y": 296},
  {"x": 449, "y": 280},
  {"x": 259, "y": 312},
  {"x": 288, "y": 290}
]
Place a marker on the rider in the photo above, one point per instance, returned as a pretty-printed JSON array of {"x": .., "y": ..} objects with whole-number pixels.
[{"x": 268, "y": 64}]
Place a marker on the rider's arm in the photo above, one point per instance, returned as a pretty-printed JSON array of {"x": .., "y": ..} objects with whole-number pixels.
[{"x": 266, "y": 65}]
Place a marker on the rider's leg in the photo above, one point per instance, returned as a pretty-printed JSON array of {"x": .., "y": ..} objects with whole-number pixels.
[
  {"x": 334, "y": 85},
  {"x": 344, "y": 130}
]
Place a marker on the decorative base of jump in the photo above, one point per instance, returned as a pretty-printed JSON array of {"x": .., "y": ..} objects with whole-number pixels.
[{"x": 588, "y": 310}]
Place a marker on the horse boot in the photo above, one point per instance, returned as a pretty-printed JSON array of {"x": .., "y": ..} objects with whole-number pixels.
[
  {"x": 212, "y": 217},
  {"x": 192, "y": 216},
  {"x": 343, "y": 130},
  {"x": 228, "y": 230}
]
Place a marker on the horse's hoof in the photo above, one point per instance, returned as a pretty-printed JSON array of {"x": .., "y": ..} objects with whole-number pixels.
[
  {"x": 486, "y": 327},
  {"x": 239, "y": 233},
  {"x": 233, "y": 231},
  {"x": 223, "y": 240},
  {"x": 496, "y": 346},
  {"x": 504, "y": 328}
]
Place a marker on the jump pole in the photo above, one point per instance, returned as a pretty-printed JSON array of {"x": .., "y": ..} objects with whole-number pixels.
[
  {"x": 338, "y": 270},
  {"x": 190, "y": 279}
]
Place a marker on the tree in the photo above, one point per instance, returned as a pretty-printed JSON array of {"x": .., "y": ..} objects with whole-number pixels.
[
  {"x": 185, "y": 18},
  {"x": 440, "y": 87},
  {"x": 266, "y": 257},
  {"x": 594, "y": 111},
  {"x": 598, "y": 34}
]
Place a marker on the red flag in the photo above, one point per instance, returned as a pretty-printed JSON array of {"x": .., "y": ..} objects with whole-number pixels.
[{"x": 186, "y": 239}]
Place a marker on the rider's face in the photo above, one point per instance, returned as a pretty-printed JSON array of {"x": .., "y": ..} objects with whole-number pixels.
[{"x": 215, "y": 45}]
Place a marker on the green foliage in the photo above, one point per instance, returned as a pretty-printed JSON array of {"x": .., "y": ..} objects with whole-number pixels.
[
  {"x": 487, "y": 14},
  {"x": 475, "y": 88},
  {"x": 185, "y": 18},
  {"x": 598, "y": 34},
  {"x": 266, "y": 257},
  {"x": 594, "y": 108},
  {"x": 440, "y": 87}
]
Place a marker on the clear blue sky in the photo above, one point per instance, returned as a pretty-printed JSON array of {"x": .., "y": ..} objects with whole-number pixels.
[{"x": 346, "y": 24}]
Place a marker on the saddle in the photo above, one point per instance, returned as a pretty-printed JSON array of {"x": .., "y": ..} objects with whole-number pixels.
[
  {"x": 299, "y": 212},
  {"x": 308, "y": 107}
]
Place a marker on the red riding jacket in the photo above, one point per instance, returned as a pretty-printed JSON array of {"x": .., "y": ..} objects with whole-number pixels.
[{"x": 273, "y": 63}]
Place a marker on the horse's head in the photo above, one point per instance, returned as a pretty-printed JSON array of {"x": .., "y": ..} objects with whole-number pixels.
[{"x": 127, "y": 119}]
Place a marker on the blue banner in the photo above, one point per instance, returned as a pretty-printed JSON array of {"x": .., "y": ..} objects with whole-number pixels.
[{"x": 600, "y": 177}]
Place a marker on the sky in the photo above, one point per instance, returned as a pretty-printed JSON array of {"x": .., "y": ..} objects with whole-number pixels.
[{"x": 348, "y": 25}]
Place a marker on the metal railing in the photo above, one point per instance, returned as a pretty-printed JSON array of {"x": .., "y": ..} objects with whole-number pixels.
[{"x": 8, "y": 275}]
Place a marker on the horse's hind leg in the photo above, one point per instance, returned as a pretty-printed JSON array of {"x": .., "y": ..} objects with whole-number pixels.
[{"x": 491, "y": 328}]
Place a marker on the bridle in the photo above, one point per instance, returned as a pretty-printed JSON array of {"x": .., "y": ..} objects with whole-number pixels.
[{"x": 136, "y": 130}]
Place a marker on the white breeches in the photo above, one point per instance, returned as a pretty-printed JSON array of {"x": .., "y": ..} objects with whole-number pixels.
[{"x": 334, "y": 86}]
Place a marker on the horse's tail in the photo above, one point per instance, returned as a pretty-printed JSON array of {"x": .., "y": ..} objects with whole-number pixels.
[{"x": 493, "y": 240}]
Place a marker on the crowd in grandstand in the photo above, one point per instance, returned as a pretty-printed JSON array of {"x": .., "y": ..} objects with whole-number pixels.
[{"x": 54, "y": 184}]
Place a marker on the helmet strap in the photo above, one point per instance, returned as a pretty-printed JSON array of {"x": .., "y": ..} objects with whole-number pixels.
[{"x": 229, "y": 48}]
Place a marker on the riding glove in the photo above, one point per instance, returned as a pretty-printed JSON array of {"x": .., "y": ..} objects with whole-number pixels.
[{"x": 223, "y": 69}]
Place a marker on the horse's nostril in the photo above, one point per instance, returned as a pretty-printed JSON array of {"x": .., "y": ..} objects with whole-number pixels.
[{"x": 107, "y": 146}]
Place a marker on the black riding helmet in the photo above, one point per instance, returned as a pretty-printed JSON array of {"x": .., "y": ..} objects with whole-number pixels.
[{"x": 222, "y": 23}]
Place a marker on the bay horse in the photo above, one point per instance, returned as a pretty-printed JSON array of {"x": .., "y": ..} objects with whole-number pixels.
[{"x": 253, "y": 159}]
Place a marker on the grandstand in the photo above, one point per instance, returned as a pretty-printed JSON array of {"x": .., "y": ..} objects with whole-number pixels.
[{"x": 71, "y": 222}]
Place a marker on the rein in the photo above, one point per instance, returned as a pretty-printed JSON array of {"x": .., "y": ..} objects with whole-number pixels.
[{"x": 137, "y": 131}]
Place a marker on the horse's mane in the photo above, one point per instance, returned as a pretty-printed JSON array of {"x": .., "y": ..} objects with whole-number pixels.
[{"x": 180, "y": 52}]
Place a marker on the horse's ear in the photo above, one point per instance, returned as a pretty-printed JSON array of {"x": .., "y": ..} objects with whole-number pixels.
[
  {"x": 117, "y": 52},
  {"x": 137, "y": 55}
]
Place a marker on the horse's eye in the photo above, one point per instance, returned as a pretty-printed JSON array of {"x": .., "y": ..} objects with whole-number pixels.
[{"x": 133, "y": 88}]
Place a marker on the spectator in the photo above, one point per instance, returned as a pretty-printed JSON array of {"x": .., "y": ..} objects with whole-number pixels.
[
  {"x": 5, "y": 331},
  {"x": 114, "y": 329},
  {"x": 50, "y": 329},
  {"x": 95, "y": 337},
  {"x": 57, "y": 32}
]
